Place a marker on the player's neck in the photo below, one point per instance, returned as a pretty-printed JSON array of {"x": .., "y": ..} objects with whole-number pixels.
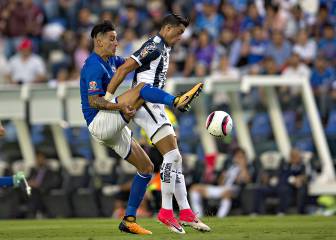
[
  {"x": 100, "y": 54},
  {"x": 163, "y": 37}
]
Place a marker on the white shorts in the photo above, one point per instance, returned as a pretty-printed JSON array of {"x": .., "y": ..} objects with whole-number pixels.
[
  {"x": 154, "y": 121},
  {"x": 109, "y": 128},
  {"x": 213, "y": 191}
]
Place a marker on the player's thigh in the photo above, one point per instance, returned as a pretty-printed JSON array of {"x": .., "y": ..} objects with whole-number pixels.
[
  {"x": 107, "y": 126},
  {"x": 122, "y": 143},
  {"x": 154, "y": 120},
  {"x": 132, "y": 96},
  {"x": 139, "y": 159}
]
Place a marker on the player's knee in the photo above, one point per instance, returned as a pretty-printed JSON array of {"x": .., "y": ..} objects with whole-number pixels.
[
  {"x": 147, "y": 168},
  {"x": 175, "y": 154}
]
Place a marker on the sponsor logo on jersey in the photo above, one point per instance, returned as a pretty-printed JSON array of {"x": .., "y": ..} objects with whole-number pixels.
[
  {"x": 147, "y": 49},
  {"x": 92, "y": 85}
]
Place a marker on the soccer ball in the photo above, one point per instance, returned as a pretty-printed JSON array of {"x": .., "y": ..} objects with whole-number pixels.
[{"x": 219, "y": 124}]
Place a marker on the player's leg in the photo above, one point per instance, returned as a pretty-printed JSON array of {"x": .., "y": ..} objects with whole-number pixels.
[
  {"x": 166, "y": 145},
  {"x": 141, "y": 161},
  {"x": 225, "y": 204},
  {"x": 14, "y": 180},
  {"x": 109, "y": 128},
  {"x": 155, "y": 95},
  {"x": 197, "y": 193}
]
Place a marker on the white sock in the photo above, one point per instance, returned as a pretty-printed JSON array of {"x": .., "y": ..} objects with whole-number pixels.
[
  {"x": 168, "y": 178},
  {"x": 224, "y": 208},
  {"x": 196, "y": 203},
  {"x": 181, "y": 192}
]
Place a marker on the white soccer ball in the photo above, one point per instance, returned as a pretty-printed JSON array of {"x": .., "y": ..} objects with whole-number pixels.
[{"x": 219, "y": 124}]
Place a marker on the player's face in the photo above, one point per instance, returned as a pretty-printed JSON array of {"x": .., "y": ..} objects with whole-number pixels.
[
  {"x": 174, "y": 34},
  {"x": 109, "y": 43}
]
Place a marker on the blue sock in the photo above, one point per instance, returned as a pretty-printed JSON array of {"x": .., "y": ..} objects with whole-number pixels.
[
  {"x": 137, "y": 193},
  {"x": 156, "y": 95},
  {"x": 6, "y": 181}
]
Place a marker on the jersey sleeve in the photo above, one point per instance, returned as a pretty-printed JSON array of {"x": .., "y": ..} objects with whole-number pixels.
[
  {"x": 94, "y": 80},
  {"x": 147, "y": 53},
  {"x": 119, "y": 61}
]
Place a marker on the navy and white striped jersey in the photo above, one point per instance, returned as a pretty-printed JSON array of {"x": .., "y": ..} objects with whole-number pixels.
[{"x": 153, "y": 58}]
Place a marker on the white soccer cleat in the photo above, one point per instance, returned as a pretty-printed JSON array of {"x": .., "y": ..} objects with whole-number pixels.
[{"x": 188, "y": 218}]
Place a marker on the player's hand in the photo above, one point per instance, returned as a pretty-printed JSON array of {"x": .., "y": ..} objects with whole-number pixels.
[{"x": 128, "y": 110}]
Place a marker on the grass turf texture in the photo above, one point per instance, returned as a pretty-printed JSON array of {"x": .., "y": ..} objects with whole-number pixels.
[{"x": 231, "y": 228}]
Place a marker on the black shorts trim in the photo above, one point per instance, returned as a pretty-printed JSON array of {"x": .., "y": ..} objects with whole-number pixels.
[
  {"x": 165, "y": 124},
  {"x": 129, "y": 152},
  {"x": 150, "y": 112},
  {"x": 121, "y": 113}
]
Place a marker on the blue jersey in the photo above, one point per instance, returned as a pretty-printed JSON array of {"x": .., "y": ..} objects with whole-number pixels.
[{"x": 94, "y": 79}]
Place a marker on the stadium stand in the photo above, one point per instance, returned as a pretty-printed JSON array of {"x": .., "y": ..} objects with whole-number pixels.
[{"x": 231, "y": 45}]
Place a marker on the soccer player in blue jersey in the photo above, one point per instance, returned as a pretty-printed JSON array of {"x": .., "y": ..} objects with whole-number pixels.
[
  {"x": 107, "y": 116},
  {"x": 16, "y": 179},
  {"x": 150, "y": 64}
]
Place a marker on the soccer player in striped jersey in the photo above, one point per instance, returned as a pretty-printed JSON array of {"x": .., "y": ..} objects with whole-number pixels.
[{"x": 150, "y": 63}]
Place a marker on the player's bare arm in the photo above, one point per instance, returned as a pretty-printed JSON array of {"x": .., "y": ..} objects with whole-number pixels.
[
  {"x": 129, "y": 66},
  {"x": 100, "y": 103}
]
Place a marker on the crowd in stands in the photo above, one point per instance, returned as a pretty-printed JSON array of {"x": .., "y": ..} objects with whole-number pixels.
[{"x": 46, "y": 41}]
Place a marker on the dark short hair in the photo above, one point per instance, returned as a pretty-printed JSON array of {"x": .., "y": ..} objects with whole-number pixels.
[
  {"x": 174, "y": 20},
  {"x": 103, "y": 27}
]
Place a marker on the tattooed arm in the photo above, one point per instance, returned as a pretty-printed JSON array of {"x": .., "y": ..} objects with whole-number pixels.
[{"x": 100, "y": 103}]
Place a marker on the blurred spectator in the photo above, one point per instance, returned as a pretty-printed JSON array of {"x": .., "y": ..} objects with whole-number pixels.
[
  {"x": 209, "y": 19},
  {"x": 229, "y": 184},
  {"x": 270, "y": 67},
  {"x": 130, "y": 19},
  {"x": 223, "y": 46},
  {"x": 61, "y": 77},
  {"x": 84, "y": 21},
  {"x": 232, "y": 19},
  {"x": 322, "y": 21},
  {"x": 322, "y": 75},
  {"x": 304, "y": 47},
  {"x": 252, "y": 19},
  {"x": 296, "y": 22},
  {"x": 321, "y": 80},
  {"x": 26, "y": 67},
  {"x": 41, "y": 179},
  {"x": 287, "y": 183},
  {"x": 203, "y": 53},
  {"x": 240, "y": 50},
  {"x": 276, "y": 18},
  {"x": 327, "y": 44},
  {"x": 82, "y": 52},
  {"x": 129, "y": 44},
  {"x": 279, "y": 49},
  {"x": 224, "y": 69},
  {"x": 18, "y": 19},
  {"x": 296, "y": 68},
  {"x": 257, "y": 46},
  {"x": 293, "y": 183}
]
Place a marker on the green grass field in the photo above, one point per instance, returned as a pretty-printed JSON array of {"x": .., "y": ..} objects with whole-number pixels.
[{"x": 231, "y": 228}]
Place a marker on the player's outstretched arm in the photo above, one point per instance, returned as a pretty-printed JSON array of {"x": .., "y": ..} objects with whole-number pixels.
[{"x": 129, "y": 66}]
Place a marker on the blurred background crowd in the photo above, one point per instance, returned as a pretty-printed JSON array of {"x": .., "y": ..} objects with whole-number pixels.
[{"x": 47, "y": 41}]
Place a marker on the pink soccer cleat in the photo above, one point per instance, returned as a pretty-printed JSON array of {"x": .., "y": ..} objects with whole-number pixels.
[{"x": 166, "y": 216}]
